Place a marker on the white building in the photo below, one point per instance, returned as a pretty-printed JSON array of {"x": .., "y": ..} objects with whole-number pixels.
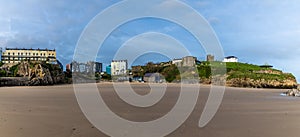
[
  {"x": 119, "y": 67},
  {"x": 230, "y": 59},
  {"x": 177, "y": 62}
]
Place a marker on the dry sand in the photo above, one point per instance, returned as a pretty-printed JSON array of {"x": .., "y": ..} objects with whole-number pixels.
[{"x": 53, "y": 112}]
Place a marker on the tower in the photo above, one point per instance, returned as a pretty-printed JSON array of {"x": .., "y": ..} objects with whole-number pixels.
[{"x": 210, "y": 57}]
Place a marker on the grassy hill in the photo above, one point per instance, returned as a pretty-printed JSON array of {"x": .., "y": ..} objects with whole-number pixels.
[
  {"x": 249, "y": 75},
  {"x": 237, "y": 75}
]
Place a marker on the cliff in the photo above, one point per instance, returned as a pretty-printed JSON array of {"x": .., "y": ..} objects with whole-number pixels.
[{"x": 33, "y": 74}]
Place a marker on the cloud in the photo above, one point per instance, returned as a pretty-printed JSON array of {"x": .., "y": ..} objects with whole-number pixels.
[
  {"x": 213, "y": 20},
  {"x": 260, "y": 31},
  {"x": 46, "y": 24}
]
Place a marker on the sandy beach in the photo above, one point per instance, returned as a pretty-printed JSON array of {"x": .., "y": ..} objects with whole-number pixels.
[{"x": 53, "y": 111}]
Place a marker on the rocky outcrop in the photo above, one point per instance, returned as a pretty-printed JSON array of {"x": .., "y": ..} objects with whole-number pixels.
[
  {"x": 24, "y": 69},
  {"x": 261, "y": 83},
  {"x": 37, "y": 74},
  {"x": 293, "y": 92},
  {"x": 40, "y": 76}
]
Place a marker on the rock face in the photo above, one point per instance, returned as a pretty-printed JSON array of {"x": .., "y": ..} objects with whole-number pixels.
[
  {"x": 24, "y": 69},
  {"x": 40, "y": 75},
  {"x": 262, "y": 83},
  {"x": 293, "y": 92}
]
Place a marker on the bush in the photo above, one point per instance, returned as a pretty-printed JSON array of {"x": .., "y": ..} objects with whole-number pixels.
[{"x": 170, "y": 73}]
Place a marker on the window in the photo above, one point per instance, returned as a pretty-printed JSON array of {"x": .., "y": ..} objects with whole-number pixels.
[
  {"x": 33, "y": 54},
  {"x": 13, "y": 53},
  {"x": 8, "y": 53},
  {"x": 18, "y": 54}
]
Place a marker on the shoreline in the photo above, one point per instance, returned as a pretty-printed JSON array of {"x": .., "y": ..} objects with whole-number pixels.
[{"x": 139, "y": 83}]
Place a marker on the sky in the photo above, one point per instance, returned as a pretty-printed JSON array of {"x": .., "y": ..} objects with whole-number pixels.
[{"x": 256, "y": 31}]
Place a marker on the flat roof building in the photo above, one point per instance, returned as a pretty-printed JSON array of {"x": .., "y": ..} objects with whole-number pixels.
[
  {"x": 119, "y": 67},
  {"x": 16, "y": 55},
  {"x": 230, "y": 59}
]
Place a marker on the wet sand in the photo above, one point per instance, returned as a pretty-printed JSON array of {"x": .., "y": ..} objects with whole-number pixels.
[{"x": 53, "y": 111}]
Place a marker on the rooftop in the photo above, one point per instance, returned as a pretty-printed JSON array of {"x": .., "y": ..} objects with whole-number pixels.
[
  {"x": 38, "y": 49},
  {"x": 229, "y": 57}
]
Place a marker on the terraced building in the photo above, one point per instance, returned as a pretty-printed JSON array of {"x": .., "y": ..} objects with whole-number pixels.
[{"x": 16, "y": 55}]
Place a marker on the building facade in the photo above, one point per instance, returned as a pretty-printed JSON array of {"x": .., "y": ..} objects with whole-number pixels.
[
  {"x": 108, "y": 69},
  {"x": 98, "y": 67},
  {"x": 210, "y": 57},
  {"x": 15, "y": 55},
  {"x": 119, "y": 67},
  {"x": 177, "y": 62},
  {"x": 188, "y": 61},
  {"x": 89, "y": 67}
]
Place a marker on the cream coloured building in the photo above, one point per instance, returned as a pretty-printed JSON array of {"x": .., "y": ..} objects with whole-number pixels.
[{"x": 16, "y": 55}]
